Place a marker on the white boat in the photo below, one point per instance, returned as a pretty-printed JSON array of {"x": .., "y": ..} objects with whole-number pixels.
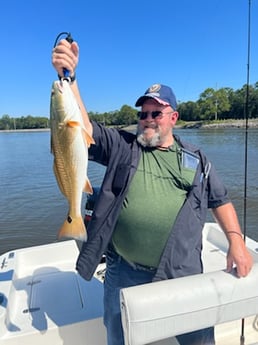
[{"x": 44, "y": 301}]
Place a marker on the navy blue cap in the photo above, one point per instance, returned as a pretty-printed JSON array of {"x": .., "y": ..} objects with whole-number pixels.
[{"x": 161, "y": 93}]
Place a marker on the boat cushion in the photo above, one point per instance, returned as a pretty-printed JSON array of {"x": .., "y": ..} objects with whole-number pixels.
[{"x": 160, "y": 310}]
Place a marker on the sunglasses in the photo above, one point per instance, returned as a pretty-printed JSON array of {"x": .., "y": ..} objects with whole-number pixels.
[{"x": 142, "y": 115}]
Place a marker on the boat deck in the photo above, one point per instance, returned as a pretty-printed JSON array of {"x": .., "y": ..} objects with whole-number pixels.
[{"x": 42, "y": 294}]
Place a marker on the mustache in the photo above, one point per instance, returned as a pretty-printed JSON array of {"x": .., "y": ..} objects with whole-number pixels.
[{"x": 143, "y": 140}]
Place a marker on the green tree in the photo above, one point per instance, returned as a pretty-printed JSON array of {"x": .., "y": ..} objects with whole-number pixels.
[
  {"x": 5, "y": 122},
  {"x": 189, "y": 111},
  {"x": 237, "y": 104},
  {"x": 213, "y": 103},
  {"x": 126, "y": 116},
  {"x": 253, "y": 101}
]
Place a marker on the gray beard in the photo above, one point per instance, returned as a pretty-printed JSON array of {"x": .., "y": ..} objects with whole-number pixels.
[{"x": 151, "y": 142}]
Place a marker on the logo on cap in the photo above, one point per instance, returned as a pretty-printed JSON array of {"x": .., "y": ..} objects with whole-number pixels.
[{"x": 154, "y": 88}]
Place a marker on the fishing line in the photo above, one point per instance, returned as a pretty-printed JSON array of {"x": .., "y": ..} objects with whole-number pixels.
[
  {"x": 246, "y": 115},
  {"x": 68, "y": 37}
]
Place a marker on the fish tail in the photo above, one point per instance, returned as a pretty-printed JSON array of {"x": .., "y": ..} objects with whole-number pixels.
[{"x": 73, "y": 228}]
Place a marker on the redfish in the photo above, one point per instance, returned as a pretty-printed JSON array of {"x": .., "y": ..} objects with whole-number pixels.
[{"x": 69, "y": 144}]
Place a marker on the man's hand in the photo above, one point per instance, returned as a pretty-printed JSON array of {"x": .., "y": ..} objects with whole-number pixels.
[
  {"x": 239, "y": 255},
  {"x": 65, "y": 55}
]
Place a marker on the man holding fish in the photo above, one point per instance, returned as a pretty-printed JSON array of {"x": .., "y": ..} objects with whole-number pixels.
[{"x": 153, "y": 202}]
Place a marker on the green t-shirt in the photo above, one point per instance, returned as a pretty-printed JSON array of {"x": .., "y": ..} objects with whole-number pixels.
[{"x": 156, "y": 194}]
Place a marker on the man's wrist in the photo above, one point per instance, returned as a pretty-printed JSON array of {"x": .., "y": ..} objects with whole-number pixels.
[{"x": 234, "y": 233}]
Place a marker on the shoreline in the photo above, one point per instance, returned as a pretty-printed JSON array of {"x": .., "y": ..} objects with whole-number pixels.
[
  {"x": 252, "y": 123},
  {"x": 24, "y": 130}
]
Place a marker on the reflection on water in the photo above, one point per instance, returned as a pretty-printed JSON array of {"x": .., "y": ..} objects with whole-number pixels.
[{"x": 32, "y": 208}]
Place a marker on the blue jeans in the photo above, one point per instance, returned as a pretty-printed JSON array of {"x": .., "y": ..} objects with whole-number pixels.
[{"x": 121, "y": 274}]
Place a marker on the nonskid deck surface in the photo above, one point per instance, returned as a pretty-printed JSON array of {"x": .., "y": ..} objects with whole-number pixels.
[{"x": 43, "y": 292}]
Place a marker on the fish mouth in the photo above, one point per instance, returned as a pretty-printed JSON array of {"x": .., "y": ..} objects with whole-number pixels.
[{"x": 57, "y": 87}]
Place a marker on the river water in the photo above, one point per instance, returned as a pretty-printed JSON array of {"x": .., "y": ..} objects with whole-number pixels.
[{"x": 32, "y": 208}]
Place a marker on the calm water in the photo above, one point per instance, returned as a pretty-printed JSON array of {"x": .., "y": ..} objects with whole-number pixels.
[{"x": 32, "y": 208}]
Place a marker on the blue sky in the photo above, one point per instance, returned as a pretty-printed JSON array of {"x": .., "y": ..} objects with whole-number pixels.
[{"x": 125, "y": 46}]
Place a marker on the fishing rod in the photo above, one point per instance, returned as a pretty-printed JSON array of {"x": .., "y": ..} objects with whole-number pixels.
[{"x": 246, "y": 115}]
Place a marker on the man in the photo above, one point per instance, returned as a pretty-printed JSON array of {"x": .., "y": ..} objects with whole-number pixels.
[{"x": 152, "y": 205}]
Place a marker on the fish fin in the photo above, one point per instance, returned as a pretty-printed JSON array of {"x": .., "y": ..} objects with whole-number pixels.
[
  {"x": 87, "y": 138},
  {"x": 88, "y": 188},
  {"x": 73, "y": 124},
  {"x": 73, "y": 228}
]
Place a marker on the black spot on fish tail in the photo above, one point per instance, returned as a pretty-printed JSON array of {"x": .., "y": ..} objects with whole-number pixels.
[{"x": 69, "y": 219}]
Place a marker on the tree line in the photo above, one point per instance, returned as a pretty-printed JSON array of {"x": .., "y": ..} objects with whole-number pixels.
[
  {"x": 25, "y": 122},
  {"x": 221, "y": 104}
]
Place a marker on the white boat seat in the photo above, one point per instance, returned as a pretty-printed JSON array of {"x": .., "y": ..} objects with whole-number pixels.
[{"x": 161, "y": 310}]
